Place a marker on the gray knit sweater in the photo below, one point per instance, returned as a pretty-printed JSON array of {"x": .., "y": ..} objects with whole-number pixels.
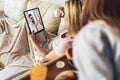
[{"x": 96, "y": 53}]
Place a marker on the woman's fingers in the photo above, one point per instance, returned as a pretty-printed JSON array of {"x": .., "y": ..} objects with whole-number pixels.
[
  {"x": 31, "y": 36},
  {"x": 33, "y": 32},
  {"x": 62, "y": 12}
]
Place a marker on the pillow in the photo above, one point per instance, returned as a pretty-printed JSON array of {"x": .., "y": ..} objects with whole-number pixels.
[
  {"x": 59, "y": 2},
  {"x": 50, "y": 22},
  {"x": 62, "y": 26},
  {"x": 14, "y": 8},
  {"x": 1, "y": 5}
]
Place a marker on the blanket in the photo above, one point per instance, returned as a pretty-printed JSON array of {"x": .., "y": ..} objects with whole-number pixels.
[
  {"x": 15, "y": 48},
  {"x": 14, "y": 45}
]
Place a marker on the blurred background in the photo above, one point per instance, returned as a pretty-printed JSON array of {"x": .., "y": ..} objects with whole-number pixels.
[{"x": 1, "y": 7}]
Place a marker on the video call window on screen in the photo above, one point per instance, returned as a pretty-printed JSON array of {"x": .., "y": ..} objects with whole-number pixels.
[{"x": 34, "y": 20}]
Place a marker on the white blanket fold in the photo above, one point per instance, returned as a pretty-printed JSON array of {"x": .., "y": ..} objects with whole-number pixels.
[
  {"x": 14, "y": 45},
  {"x": 15, "y": 48}
]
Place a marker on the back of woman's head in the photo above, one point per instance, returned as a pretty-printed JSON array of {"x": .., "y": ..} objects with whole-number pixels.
[
  {"x": 73, "y": 14},
  {"x": 107, "y": 10}
]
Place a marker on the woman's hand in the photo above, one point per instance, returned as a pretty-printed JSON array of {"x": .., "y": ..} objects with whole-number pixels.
[
  {"x": 31, "y": 37},
  {"x": 59, "y": 12},
  {"x": 62, "y": 12}
]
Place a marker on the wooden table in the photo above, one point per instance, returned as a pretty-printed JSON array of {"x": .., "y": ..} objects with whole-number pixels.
[{"x": 53, "y": 71}]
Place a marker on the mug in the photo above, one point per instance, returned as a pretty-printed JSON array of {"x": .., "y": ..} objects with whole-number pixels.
[{"x": 68, "y": 54}]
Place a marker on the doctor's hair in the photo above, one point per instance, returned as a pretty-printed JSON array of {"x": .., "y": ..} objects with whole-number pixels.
[{"x": 29, "y": 15}]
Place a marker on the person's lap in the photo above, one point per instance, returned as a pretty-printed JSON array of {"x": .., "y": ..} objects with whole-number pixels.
[{"x": 12, "y": 72}]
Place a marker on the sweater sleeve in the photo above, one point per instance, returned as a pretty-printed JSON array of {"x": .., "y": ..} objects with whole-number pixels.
[
  {"x": 62, "y": 46},
  {"x": 91, "y": 55}
]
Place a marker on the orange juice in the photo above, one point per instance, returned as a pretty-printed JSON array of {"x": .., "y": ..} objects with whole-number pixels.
[{"x": 38, "y": 72}]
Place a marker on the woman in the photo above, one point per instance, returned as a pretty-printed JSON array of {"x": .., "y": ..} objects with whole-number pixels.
[
  {"x": 96, "y": 52},
  {"x": 63, "y": 41},
  {"x": 72, "y": 18}
]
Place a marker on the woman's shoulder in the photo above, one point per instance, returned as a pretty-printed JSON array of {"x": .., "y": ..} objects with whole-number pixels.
[
  {"x": 93, "y": 26},
  {"x": 96, "y": 27},
  {"x": 93, "y": 32}
]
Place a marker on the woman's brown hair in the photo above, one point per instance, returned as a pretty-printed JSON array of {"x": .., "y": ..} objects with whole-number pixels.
[
  {"x": 107, "y": 10},
  {"x": 74, "y": 10}
]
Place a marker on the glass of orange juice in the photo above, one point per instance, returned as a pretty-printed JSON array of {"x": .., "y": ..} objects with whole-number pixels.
[{"x": 38, "y": 72}]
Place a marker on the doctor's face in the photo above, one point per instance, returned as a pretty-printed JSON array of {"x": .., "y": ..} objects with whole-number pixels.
[{"x": 31, "y": 18}]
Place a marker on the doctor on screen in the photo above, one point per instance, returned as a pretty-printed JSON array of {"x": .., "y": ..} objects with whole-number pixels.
[{"x": 34, "y": 25}]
